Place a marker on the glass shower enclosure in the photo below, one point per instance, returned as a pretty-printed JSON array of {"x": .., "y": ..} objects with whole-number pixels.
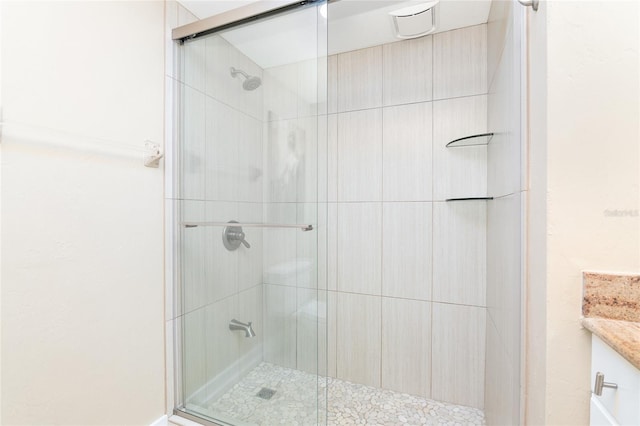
[{"x": 250, "y": 215}]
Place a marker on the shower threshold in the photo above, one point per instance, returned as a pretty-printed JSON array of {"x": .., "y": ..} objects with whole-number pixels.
[{"x": 295, "y": 402}]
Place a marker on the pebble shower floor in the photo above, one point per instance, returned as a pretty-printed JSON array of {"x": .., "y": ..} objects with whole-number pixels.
[{"x": 294, "y": 403}]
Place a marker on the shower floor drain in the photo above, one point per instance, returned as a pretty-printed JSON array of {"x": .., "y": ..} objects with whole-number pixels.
[{"x": 265, "y": 393}]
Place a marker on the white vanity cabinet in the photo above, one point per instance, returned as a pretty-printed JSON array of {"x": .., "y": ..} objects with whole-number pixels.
[{"x": 615, "y": 406}]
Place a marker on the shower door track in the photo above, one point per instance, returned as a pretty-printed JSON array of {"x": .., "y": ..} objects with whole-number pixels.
[
  {"x": 180, "y": 412},
  {"x": 234, "y": 17}
]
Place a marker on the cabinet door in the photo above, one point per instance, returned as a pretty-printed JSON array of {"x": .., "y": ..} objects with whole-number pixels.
[
  {"x": 599, "y": 416},
  {"x": 622, "y": 403}
]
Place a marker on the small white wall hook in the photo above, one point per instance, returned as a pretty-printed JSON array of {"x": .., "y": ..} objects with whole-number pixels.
[
  {"x": 533, "y": 3},
  {"x": 153, "y": 154}
]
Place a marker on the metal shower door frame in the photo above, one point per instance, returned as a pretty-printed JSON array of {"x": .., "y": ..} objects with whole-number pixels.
[
  {"x": 224, "y": 20},
  {"x": 234, "y": 17}
]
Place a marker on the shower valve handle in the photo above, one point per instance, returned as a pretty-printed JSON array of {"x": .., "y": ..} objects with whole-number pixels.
[
  {"x": 238, "y": 236},
  {"x": 233, "y": 236}
]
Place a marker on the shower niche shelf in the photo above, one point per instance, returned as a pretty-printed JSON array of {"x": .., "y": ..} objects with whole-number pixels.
[
  {"x": 473, "y": 140},
  {"x": 469, "y": 199}
]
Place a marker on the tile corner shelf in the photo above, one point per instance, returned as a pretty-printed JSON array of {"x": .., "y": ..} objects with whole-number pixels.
[
  {"x": 470, "y": 199},
  {"x": 473, "y": 140}
]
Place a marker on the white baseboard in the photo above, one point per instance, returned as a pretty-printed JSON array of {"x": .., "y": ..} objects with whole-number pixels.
[
  {"x": 162, "y": 421},
  {"x": 181, "y": 421}
]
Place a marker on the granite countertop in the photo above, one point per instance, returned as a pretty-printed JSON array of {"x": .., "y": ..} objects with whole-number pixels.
[
  {"x": 623, "y": 336},
  {"x": 611, "y": 309}
]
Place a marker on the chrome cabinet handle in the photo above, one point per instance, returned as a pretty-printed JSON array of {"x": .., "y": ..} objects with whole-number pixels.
[
  {"x": 533, "y": 3},
  {"x": 600, "y": 383}
]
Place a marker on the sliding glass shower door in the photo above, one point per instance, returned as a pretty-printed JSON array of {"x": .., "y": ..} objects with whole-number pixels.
[{"x": 250, "y": 219}]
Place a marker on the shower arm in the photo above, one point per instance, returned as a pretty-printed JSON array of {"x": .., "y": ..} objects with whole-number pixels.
[{"x": 235, "y": 71}]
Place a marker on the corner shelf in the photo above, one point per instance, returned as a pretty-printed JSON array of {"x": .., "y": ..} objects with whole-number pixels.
[
  {"x": 473, "y": 140},
  {"x": 469, "y": 199}
]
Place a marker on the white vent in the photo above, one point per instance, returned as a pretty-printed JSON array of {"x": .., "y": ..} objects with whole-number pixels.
[{"x": 415, "y": 21}]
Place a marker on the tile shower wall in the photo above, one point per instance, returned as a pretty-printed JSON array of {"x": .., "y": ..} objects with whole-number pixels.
[
  {"x": 406, "y": 270},
  {"x": 504, "y": 217},
  {"x": 294, "y": 313},
  {"x": 220, "y": 162}
]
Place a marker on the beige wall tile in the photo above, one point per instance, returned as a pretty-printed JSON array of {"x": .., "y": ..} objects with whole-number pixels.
[
  {"x": 458, "y": 354},
  {"x": 309, "y": 91},
  {"x": 460, "y": 62},
  {"x": 247, "y": 101},
  {"x": 359, "y": 247},
  {"x": 220, "y": 265},
  {"x": 407, "y": 153},
  {"x": 194, "y": 352},
  {"x": 323, "y": 334},
  {"x": 193, "y": 277},
  {"x": 281, "y": 97},
  {"x": 332, "y": 333},
  {"x": 282, "y": 146},
  {"x": 280, "y": 256},
  {"x": 192, "y": 149},
  {"x": 407, "y": 71},
  {"x": 309, "y": 323},
  {"x": 332, "y": 84},
  {"x": 459, "y": 252},
  {"x": 221, "y": 159},
  {"x": 506, "y": 156},
  {"x": 218, "y": 80},
  {"x": 502, "y": 391},
  {"x": 250, "y": 309},
  {"x": 406, "y": 346},
  {"x": 360, "y": 79},
  {"x": 249, "y": 172},
  {"x": 250, "y": 261},
  {"x": 193, "y": 64},
  {"x": 459, "y": 171},
  {"x": 306, "y": 158},
  {"x": 360, "y": 156},
  {"x": 280, "y": 305},
  {"x": 332, "y": 246},
  {"x": 499, "y": 22},
  {"x": 222, "y": 344},
  {"x": 220, "y": 85},
  {"x": 307, "y": 248},
  {"x": 358, "y": 357},
  {"x": 504, "y": 271},
  {"x": 406, "y": 253},
  {"x": 332, "y": 157}
]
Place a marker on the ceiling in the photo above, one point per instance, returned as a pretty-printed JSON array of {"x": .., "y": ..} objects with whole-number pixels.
[{"x": 353, "y": 24}]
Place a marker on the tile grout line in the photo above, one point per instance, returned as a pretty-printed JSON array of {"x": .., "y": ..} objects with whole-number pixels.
[
  {"x": 433, "y": 46},
  {"x": 382, "y": 176},
  {"x": 337, "y": 210}
]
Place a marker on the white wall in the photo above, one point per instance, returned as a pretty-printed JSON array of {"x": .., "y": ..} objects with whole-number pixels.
[
  {"x": 82, "y": 263},
  {"x": 584, "y": 163},
  {"x": 1, "y": 103}
]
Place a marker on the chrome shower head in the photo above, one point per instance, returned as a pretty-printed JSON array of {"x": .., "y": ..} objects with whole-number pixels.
[{"x": 250, "y": 82}]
